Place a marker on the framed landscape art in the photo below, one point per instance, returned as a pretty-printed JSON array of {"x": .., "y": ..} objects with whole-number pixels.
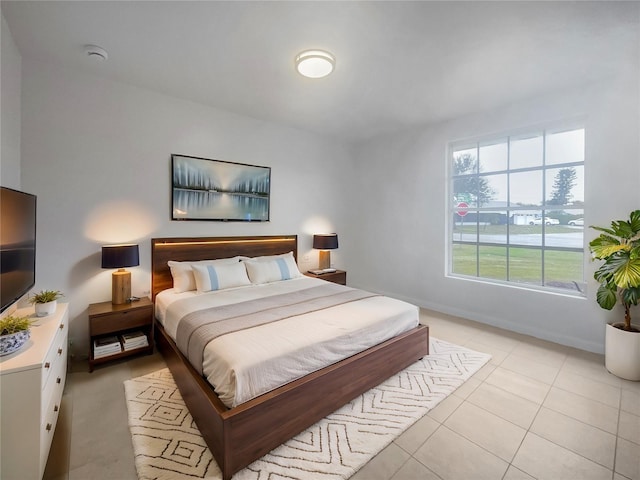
[{"x": 204, "y": 189}]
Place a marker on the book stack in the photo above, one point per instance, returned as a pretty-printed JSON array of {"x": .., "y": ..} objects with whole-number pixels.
[
  {"x": 105, "y": 346},
  {"x": 133, "y": 340}
]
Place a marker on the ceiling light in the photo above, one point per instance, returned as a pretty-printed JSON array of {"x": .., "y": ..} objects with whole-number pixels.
[
  {"x": 315, "y": 63},
  {"x": 96, "y": 52}
]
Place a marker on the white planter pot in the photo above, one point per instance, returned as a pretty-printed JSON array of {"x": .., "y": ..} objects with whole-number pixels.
[
  {"x": 45, "y": 309},
  {"x": 622, "y": 353}
]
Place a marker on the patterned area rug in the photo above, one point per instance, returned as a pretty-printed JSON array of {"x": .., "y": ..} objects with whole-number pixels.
[{"x": 168, "y": 445}]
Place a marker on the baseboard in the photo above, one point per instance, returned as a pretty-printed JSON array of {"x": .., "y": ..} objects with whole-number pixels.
[{"x": 539, "y": 333}]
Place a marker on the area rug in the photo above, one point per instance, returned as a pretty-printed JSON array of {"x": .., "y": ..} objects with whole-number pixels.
[{"x": 168, "y": 445}]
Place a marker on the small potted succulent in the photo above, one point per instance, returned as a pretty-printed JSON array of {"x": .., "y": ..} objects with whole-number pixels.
[
  {"x": 14, "y": 332},
  {"x": 619, "y": 276},
  {"x": 45, "y": 302}
]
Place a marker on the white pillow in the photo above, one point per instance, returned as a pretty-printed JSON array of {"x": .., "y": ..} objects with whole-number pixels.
[
  {"x": 183, "y": 279},
  {"x": 219, "y": 277},
  {"x": 272, "y": 268},
  {"x": 266, "y": 258},
  {"x": 288, "y": 258}
]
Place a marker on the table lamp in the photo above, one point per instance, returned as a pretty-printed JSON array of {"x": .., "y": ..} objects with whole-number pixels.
[
  {"x": 325, "y": 242},
  {"x": 120, "y": 256}
]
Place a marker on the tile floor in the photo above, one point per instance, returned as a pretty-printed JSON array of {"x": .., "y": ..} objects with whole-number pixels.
[{"x": 537, "y": 410}]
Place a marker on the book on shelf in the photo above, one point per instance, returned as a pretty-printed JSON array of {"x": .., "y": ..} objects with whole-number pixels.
[
  {"x": 133, "y": 336},
  {"x": 109, "y": 348},
  {"x": 106, "y": 341},
  {"x": 134, "y": 340},
  {"x": 131, "y": 345},
  {"x": 105, "y": 346},
  {"x": 102, "y": 355},
  {"x": 106, "y": 352},
  {"x": 134, "y": 346}
]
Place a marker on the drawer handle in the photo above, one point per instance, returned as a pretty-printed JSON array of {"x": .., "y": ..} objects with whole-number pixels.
[
  {"x": 47, "y": 365},
  {"x": 58, "y": 380},
  {"x": 48, "y": 427},
  {"x": 59, "y": 351},
  {"x": 55, "y": 408}
]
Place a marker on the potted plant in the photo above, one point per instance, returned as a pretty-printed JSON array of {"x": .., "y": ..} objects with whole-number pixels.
[
  {"x": 619, "y": 277},
  {"x": 14, "y": 332},
  {"x": 45, "y": 302}
]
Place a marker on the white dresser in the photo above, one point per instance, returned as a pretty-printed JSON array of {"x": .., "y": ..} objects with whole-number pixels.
[{"x": 31, "y": 384}]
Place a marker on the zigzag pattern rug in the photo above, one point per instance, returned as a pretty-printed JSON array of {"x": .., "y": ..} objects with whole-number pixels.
[{"x": 168, "y": 445}]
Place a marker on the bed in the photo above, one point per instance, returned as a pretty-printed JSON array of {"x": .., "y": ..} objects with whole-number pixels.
[{"x": 239, "y": 434}]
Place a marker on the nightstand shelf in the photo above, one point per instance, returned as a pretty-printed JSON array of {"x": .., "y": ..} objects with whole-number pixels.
[
  {"x": 339, "y": 276},
  {"x": 106, "y": 319}
]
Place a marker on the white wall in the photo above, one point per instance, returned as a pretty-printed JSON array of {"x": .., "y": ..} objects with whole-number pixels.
[
  {"x": 10, "y": 70},
  {"x": 97, "y": 154},
  {"x": 402, "y": 181}
]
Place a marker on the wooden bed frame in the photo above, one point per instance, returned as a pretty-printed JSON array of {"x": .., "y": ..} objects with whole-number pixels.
[{"x": 243, "y": 434}]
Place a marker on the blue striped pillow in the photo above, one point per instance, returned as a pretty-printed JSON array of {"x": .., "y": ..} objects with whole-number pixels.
[
  {"x": 272, "y": 269},
  {"x": 218, "y": 277}
]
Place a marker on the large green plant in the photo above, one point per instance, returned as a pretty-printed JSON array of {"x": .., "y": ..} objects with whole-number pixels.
[{"x": 619, "y": 276}]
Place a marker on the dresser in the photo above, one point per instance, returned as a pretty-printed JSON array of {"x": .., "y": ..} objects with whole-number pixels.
[{"x": 31, "y": 383}]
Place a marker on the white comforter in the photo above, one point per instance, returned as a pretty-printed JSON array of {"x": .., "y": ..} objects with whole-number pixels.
[{"x": 245, "y": 364}]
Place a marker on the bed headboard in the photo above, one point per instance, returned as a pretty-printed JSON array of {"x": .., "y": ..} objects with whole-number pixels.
[{"x": 210, "y": 248}]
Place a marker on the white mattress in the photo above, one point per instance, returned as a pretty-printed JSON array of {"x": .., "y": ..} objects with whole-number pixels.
[{"x": 245, "y": 364}]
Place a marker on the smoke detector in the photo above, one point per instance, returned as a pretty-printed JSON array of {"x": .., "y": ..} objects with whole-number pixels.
[{"x": 96, "y": 52}]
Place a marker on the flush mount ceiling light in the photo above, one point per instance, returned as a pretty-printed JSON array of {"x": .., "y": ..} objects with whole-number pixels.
[
  {"x": 315, "y": 63},
  {"x": 96, "y": 52}
]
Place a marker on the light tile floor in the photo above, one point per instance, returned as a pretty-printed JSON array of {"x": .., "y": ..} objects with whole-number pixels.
[{"x": 537, "y": 410}]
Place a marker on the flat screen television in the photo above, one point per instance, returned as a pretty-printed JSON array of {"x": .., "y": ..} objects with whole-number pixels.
[{"x": 17, "y": 245}]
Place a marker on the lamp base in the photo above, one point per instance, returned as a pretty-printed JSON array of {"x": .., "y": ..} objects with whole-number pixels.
[
  {"x": 324, "y": 259},
  {"x": 120, "y": 287}
]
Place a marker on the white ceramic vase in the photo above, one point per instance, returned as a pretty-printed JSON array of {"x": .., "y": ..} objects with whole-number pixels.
[
  {"x": 622, "y": 353},
  {"x": 45, "y": 309}
]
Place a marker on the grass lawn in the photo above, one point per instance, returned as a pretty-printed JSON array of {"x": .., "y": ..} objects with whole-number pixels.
[{"x": 525, "y": 264}]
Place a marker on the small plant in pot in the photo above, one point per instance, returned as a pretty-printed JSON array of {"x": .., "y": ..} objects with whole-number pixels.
[
  {"x": 45, "y": 302},
  {"x": 619, "y": 277},
  {"x": 14, "y": 332}
]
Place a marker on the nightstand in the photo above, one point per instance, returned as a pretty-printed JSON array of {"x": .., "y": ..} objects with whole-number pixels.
[
  {"x": 107, "y": 319},
  {"x": 339, "y": 276}
]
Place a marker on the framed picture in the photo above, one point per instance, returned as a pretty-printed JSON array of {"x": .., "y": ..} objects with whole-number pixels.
[{"x": 204, "y": 189}]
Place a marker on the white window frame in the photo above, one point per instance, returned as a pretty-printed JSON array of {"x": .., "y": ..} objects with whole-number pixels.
[{"x": 451, "y": 204}]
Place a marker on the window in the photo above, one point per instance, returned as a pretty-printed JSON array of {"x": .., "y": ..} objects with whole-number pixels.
[{"x": 516, "y": 208}]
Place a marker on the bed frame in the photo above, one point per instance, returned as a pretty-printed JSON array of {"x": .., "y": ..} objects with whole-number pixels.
[{"x": 241, "y": 435}]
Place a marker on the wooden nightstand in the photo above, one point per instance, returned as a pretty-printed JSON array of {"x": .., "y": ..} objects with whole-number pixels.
[
  {"x": 107, "y": 319},
  {"x": 339, "y": 276}
]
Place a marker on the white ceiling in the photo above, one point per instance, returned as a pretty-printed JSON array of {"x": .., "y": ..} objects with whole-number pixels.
[{"x": 398, "y": 64}]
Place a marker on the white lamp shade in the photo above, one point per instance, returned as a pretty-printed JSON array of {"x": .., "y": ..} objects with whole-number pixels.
[{"x": 315, "y": 63}]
